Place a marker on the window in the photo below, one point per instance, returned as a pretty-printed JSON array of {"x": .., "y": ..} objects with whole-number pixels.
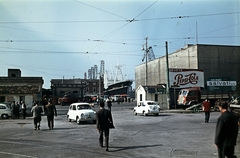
[
  {"x": 2, "y": 98},
  {"x": 192, "y": 93},
  {"x": 156, "y": 97},
  {"x": 74, "y": 107},
  {"x": 22, "y": 98},
  {"x": 2, "y": 107},
  {"x": 140, "y": 97}
]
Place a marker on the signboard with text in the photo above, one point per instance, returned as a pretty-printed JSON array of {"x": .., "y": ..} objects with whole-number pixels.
[
  {"x": 182, "y": 78},
  {"x": 224, "y": 83}
]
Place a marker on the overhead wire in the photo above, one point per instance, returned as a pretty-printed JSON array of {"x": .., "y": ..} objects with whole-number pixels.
[
  {"x": 116, "y": 30},
  {"x": 131, "y": 20}
]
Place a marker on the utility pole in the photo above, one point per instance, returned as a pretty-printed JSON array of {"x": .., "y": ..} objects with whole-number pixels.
[
  {"x": 167, "y": 76},
  {"x": 146, "y": 49}
]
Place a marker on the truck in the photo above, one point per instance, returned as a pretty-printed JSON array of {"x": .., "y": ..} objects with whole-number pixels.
[
  {"x": 190, "y": 96},
  {"x": 68, "y": 99},
  {"x": 234, "y": 106}
]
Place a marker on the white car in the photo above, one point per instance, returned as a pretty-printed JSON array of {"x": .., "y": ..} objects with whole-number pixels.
[
  {"x": 5, "y": 110},
  {"x": 81, "y": 112},
  {"x": 146, "y": 108}
]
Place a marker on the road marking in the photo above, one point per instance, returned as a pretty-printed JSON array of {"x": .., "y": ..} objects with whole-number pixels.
[{"x": 18, "y": 155}]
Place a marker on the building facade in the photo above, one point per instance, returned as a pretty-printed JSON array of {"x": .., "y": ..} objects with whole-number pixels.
[
  {"x": 218, "y": 62},
  {"x": 18, "y": 88},
  {"x": 76, "y": 87}
]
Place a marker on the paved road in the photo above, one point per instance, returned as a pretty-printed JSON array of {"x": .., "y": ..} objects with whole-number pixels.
[{"x": 174, "y": 135}]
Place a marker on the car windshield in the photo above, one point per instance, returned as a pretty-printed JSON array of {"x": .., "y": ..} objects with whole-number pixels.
[
  {"x": 85, "y": 106},
  {"x": 151, "y": 103}
]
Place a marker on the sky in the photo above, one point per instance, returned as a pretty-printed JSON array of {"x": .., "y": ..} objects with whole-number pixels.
[{"x": 57, "y": 39}]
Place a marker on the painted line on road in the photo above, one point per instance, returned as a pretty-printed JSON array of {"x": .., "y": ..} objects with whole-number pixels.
[{"x": 18, "y": 155}]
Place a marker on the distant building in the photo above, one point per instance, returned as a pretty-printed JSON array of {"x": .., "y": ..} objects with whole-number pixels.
[
  {"x": 218, "y": 62},
  {"x": 77, "y": 87},
  {"x": 18, "y": 88}
]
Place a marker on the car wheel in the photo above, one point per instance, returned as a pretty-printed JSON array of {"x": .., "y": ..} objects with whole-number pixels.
[
  {"x": 144, "y": 113},
  {"x": 78, "y": 120},
  {"x": 5, "y": 116},
  {"x": 134, "y": 111},
  {"x": 94, "y": 121},
  {"x": 156, "y": 114},
  {"x": 69, "y": 120}
]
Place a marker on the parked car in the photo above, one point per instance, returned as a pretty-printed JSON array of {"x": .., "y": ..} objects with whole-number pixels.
[
  {"x": 5, "y": 110},
  {"x": 146, "y": 108},
  {"x": 81, "y": 112}
]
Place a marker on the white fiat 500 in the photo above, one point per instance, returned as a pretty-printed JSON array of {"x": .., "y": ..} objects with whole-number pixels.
[
  {"x": 5, "y": 110},
  {"x": 146, "y": 108},
  {"x": 81, "y": 112}
]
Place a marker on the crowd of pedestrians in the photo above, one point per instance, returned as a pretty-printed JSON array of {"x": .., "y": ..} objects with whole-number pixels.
[{"x": 37, "y": 111}]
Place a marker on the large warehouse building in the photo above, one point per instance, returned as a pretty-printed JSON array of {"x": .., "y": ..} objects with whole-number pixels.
[{"x": 216, "y": 61}]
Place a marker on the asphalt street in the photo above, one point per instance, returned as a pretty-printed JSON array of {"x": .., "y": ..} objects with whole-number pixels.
[{"x": 172, "y": 134}]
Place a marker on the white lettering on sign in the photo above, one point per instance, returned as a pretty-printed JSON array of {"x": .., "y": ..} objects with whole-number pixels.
[
  {"x": 183, "y": 80},
  {"x": 221, "y": 83}
]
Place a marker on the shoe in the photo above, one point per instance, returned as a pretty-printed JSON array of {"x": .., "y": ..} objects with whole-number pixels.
[
  {"x": 35, "y": 128},
  {"x": 38, "y": 128},
  {"x": 107, "y": 149}
]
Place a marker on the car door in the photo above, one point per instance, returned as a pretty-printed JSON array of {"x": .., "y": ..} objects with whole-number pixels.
[
  {"x": 70, "y": 112},
  {"x": 74, "y": 112},
  {"x": 140, "y": 108}
]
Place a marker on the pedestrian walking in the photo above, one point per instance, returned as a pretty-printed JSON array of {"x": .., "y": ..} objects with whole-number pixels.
[
  {"x": 23, "y": 108},
  {"x": 104, "y": 120},
  {"x": 206, "y": 108},
  {"x": 109, "y": 103},
  {"x": 226, "y": 132},
  {"x": 37, "y": 111},
  {"x": 44, "y": 103},
  {"x": 50, "y": 112},
  {"x": 17, "y": 110},
  {"x": 13, "y": 110}
]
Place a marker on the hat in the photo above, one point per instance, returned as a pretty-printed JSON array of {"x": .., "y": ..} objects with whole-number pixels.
[{"x": 224, "y": 105}]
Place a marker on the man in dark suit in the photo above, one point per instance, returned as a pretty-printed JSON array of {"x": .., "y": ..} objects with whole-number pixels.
[
  {"x": 104, "y": 117},
  {"x": 226, "y": 132},
  {"x": 50, "y": 112}
]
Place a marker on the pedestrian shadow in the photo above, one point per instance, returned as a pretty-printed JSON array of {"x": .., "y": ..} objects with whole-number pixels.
[{"x": 121, "y": 148}]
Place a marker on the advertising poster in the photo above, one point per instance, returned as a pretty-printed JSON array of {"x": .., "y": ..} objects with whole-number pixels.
[{"x": 183, "y": 78}]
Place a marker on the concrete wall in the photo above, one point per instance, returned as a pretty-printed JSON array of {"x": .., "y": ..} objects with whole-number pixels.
[{"x": 215, "y": 60}]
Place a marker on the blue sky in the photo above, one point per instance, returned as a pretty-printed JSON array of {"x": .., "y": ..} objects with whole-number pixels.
[{"x": 56, "y": 38}]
